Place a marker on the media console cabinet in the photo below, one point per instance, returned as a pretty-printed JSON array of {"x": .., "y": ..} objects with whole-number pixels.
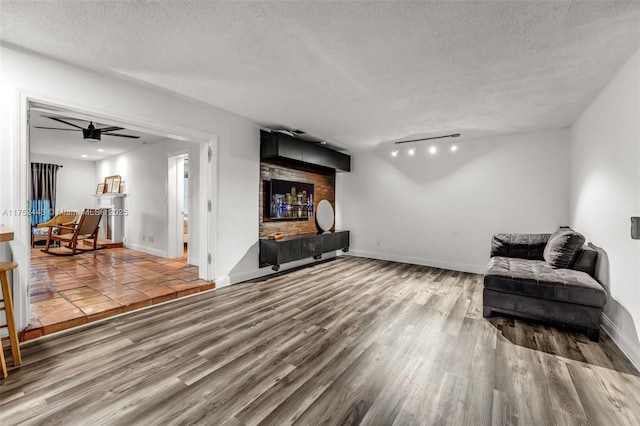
[
  {"x": 296, "y": 247},
  {"x": 298, "y": 154}
]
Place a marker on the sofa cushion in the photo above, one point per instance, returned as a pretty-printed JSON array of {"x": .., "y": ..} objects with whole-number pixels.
[
  {"x": 536, "y": 278},
  {"x": 585, "y": 261},
  {"x": 562, "y": 247},
  {"x": 523, "y": 246}
]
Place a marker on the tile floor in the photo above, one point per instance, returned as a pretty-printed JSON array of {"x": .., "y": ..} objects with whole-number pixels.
[{"x": 70, "y": 291}]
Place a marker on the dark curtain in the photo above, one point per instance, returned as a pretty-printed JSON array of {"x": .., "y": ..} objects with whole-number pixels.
[{"x": 43, "y": 192}]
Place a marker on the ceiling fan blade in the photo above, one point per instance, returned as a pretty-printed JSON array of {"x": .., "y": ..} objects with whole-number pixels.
[
  {"x": 65, "y": 122},
  {"x": 121, "y": 136},
  {"x": 110, "y": 129},
  {"x": 55, "y": 128}
]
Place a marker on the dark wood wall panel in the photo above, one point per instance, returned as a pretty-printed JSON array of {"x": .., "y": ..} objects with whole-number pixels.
[{"x": 324, "y": 189}]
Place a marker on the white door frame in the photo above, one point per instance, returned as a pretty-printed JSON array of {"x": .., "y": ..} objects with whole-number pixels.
[{"x": 19, "y": 141}]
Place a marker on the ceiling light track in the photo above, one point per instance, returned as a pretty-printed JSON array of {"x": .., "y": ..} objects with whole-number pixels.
[{"x": 454, "y": 135}]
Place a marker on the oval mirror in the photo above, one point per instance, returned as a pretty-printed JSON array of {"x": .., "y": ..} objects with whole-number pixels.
[{"x": 325, "y": 215}]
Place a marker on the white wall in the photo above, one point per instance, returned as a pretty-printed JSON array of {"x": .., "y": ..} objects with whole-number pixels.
[
  {"x": 145, "y": 173},
  {"x": 442, "y": 210},
  {"x": 605, "y": 193},
  {"x": 75, "y": 183}
]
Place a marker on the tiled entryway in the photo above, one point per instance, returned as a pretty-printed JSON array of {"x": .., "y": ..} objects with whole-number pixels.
[{"x": 70, "y": 291}]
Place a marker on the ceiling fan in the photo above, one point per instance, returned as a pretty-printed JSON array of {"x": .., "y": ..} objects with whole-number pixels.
[{"x": 91, "y": 133}]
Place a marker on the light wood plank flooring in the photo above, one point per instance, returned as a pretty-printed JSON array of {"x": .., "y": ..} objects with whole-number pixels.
[{"x": 349, "y": 341}]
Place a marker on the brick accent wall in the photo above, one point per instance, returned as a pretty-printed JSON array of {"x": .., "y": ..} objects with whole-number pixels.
[{"x": 324, "y": 182}]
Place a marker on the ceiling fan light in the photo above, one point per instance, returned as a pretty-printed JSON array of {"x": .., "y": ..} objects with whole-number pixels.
[{"x": 91, "y": 134}]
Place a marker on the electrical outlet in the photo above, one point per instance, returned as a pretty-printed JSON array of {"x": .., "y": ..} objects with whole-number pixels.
[
  {"x": 150, "y": 239},
  {"x": 143, "y": 238}
]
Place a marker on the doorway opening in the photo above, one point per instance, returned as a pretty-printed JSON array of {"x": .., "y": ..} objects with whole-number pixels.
[
  {"x": 178, "y": 202},
  {"x": 185, "y": 229},
  {"x": 126, "y": 275}
]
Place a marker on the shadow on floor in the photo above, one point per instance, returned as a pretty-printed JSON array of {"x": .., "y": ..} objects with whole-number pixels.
[{"x": 563, "y": 342}]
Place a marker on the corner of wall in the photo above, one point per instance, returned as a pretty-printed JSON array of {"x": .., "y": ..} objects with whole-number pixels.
[
  {"x": 223, "y": 281},
  {"x": 626, "y": 345},
  {"x": 605, "y": 191}
]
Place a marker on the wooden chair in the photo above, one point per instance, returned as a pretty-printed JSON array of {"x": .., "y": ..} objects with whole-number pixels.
[
  {"x": 7, "y": 307},
  {"x": 66, "y": 218},
  {"x": 86, "y": 229}
]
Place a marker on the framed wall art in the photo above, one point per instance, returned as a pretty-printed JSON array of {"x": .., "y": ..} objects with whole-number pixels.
[{"x": 110, "y": 185}]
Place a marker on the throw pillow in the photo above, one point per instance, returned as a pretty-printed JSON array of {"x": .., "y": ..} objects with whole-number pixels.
[
  {"x": 523, "y": 246},
  {"x": 585, "y": 260},
  {"x": 562, "y": 247}
]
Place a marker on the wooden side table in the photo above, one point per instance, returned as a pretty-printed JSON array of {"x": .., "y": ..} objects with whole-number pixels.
[
  {"x": 5, "y": 234},
  {"x": 7, "y": 307}
]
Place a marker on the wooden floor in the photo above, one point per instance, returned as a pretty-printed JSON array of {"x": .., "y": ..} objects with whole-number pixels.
[{"x": 349, "y": 341}]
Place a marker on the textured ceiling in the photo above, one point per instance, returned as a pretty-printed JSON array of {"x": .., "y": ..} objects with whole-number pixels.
[{"x": 357, "y": 74}]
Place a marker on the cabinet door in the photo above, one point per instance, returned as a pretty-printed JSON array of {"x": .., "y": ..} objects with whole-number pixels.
[
  {"x": 288, "y": 147},
  {"x": 342, "y": 161},
  {"x": 288, "y": 251},
  {"x": 314, "y": 154},
  {"x": 329, "y": 242},
  {"x": 343, "y": 239},
  {"x": 268, "y": 145},
  {"x": 269, "y": 252},
  {"x": 311, "y": 246}
]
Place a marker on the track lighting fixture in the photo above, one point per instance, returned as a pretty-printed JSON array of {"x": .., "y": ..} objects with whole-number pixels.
[
  {"x": 454, "y": 135},
  {"x": 433, "y": 149}
]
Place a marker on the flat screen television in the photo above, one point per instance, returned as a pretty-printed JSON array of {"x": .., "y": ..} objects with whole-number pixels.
[{"x": 290, "y": 200}]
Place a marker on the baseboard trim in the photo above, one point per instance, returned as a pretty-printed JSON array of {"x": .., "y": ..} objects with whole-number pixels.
[
  {"x": 463, "y": 267},
  {"x": 222, "y": 281},
  {"x": 266, "y": 271},
  {"x": 147, "y": 250},
  {"x": 235, "y": 278},
  {"x": 624, "y": 343}
]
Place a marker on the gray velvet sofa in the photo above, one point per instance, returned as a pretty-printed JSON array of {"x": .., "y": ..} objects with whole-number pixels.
[{"x": 545, "y": 277}]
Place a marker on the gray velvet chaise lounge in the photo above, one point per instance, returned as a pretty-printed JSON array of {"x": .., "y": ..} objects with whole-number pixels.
[{"x": 545, "y": 277}]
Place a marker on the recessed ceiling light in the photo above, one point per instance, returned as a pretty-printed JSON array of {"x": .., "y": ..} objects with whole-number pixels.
[
  {"x": 411, "y": 151},
  {"x": 84, "y": 156},
  {"x": 433, "y": 150},
  {"x": 100, "y": 150},
  {"x": 394, "y": 153},
  {"x": 454, "y": 148}
]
